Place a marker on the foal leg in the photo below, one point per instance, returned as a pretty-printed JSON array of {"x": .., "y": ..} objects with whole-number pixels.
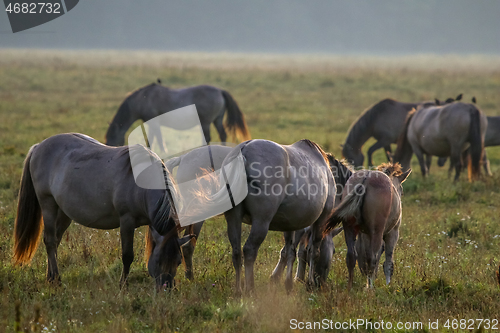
[
  {"x": 220, "y": 128},
  {"x": 390, "y": 240},
  {"x": 127, "y": 228},
  {"x": 376, "y": 239},
  {"x": 350, "y": 240},
  {"x": 233, "y": 218},
  {"x": 188, "y": 250}
]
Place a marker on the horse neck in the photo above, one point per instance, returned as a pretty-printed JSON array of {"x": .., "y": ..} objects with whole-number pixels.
[
  {"x": 360, "y": 132},
  {"x": 158, "y": 207}
]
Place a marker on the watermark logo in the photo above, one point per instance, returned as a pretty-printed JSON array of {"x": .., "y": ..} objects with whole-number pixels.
[
  {"x": 25, "y": 15},
  {"x": 174, "y": 133}
]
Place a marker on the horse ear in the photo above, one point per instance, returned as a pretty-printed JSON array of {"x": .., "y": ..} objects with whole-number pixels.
[
  {"x": 158, "y": 80},
  {"x": 402, "y": 177},
  {"x": 184, "y": 240},
  {"x": 156, "y": 236},
  {"x": 437, "y": 101},
  {"x": 459, "y": 97},
  {"x": 474, "y": 99}
]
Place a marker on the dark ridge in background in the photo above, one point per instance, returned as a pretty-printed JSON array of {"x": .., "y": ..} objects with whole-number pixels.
[{"x": 284, "y": 26}]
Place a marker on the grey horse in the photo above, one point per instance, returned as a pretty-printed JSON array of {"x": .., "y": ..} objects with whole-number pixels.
[
  {"x": 370, "y": 208},
  {"x": 383, "y": 121},
  {"x": 491, "y": 139},
  {"x": 153, "y": 100},
  {"x": 290, "y": 187},
  {"x": 444, "y": 131},
  {"x": 74, "y": 177},
  {"x": 302, "y": 238}
]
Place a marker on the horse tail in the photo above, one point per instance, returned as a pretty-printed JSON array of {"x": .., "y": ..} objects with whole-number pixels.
[
  {"x": 403, "y": 145},
  {"x": 149, "y": 245},
  {"x": 235, "y": 121},
  {"x": 476, "y": 145},
  {"x": 28, "y": 226},
  {"x": 349, "y": 208}
]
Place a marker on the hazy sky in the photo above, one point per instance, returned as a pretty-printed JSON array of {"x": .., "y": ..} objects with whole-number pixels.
[{"x": 298, "y": 26}]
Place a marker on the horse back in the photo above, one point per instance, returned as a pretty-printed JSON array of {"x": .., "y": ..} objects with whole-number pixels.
[{"x": 86, "y": 179}]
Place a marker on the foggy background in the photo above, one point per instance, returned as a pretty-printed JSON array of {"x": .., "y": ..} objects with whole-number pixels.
[{"x": 278, "y": 26}]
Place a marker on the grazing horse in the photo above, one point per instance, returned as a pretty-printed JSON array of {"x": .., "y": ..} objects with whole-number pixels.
[
  {"x": 190, "y": 166},
  {"x": 370, "y": 207},
  {"x": 384, "y": 121},
  {"x": 74, "y": 177},
  {"x": 153, "y": 100},
  {"x": 290, "y": 187},
  {"x": 341, "y": 173},
  {"x": 491, "y": 138},
  {"x": 444, "y": 131}
]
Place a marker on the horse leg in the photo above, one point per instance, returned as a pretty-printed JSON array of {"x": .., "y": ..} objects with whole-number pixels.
[
  {"x": 455, "y": 161},
  {"x": 428, "y": 161},
  {"x": 127, "y": 228},
  {"x": 372, "y": 149},
  {"x": 350, "y": 240},
  {"x": 291, "y": 256},
  {"x": 206, "y": 132},
  {"x": 233, "y": 218},
  {"x": 50, "y": 212},
  {"x": 220, "y": 128},
  {"x": 390, "y": 240},
  {"x": 388, "y": 152},
  {"x": 188, "y": 250},
  {"x": 63, "y": 222},
  {"x": 486, "y": 164},
  {"x": 258, "y": 232},
  {"x": 420, "y": 155},
  {"x": 302, "y": 264},
  {"x": 280, "y": 267},
  {"x": 376, "y": 240}
]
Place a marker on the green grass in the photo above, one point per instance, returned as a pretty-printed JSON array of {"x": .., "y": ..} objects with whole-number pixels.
[{"x": 445, "y": 259}]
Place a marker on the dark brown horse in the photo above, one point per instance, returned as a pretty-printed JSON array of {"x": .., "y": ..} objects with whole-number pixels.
[
  {"x": 371, "y": 208},
  {"x": 153, "y": 100},
  {"x": 383, "y": 121}
]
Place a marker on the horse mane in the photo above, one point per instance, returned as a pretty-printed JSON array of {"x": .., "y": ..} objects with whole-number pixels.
[
  {"x": 390, "y": 169},
  {"x": 318, "y": 147},
  {"x": 344, "y": 169}
]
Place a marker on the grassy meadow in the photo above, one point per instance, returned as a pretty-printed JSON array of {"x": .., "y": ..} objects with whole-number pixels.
[{"x": 448, "y": 250}]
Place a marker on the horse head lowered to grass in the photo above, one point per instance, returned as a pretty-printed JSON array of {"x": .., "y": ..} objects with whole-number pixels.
[
  {"x": 74, "y": 177},
  {"x": 154, "y": 99}
]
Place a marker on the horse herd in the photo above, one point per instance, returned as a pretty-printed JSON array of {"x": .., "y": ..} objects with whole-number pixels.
[{"x": 73, "y": 177}]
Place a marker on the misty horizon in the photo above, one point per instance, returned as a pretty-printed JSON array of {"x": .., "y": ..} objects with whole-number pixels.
[{"x": 292, "y": 27}]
